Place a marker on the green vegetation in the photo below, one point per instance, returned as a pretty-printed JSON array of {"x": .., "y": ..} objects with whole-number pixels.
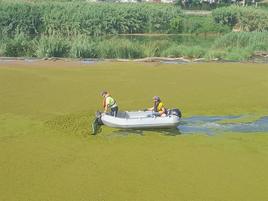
[
  {"x": 203, "y": 24},
  {"x": 241, "y": 46},
  {"x": 19, "y": 46},
  {"x": 232, "y": 46},
  {"x": 46, "y": 152},
  {"x": 83, "y": 47},
  {"x": 119, "y": 49},
  {"x": 2, "y": 48},
  {"x": 254, "y": 40},
  {"x": 185, "y": 51},
  {"x": 53, "y": 46},
  {"x": 244, "y": 18},
  {"x": 83, "y": 30},
  {"x": 73, "y": 18}
]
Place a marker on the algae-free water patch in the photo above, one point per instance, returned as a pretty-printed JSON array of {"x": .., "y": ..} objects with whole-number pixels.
[{"x": 215, "y": 124}]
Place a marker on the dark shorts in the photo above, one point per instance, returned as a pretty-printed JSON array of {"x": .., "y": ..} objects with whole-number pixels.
[{"x": 114, "y": 111}]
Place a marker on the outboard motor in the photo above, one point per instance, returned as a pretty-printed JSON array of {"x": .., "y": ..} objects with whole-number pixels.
[{"x": 175, "y": 112}]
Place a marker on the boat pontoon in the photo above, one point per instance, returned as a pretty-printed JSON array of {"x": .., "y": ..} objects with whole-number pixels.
[{"x": 139, "y": 119}]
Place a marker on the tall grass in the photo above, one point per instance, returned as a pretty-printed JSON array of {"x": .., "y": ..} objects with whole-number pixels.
[
  {"x": 120, "y": 49},
  {"x": 83, "y": 47},
  {"x": 73, "y": 18},
  {"x": 232, "y": 46},
  {"x": 238, "y": 54},
  {"x": 255, "y": 40},
  {"x": 155, "y": 48},
  {"x": 185, "y": 51},
  {"x": 172, "y": 51},
  {"x": 241, "y": 46},
  {"x": 53, "y": 46}
]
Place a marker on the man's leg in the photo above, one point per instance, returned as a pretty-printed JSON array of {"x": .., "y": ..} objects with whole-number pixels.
[{"x": 114, "y": 111}]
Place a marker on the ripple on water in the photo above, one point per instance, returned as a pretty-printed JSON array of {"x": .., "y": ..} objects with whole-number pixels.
[{"x": 212, "y": 125}]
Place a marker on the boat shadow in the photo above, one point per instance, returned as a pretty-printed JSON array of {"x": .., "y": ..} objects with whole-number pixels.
[{"x": 142, "y": 132}]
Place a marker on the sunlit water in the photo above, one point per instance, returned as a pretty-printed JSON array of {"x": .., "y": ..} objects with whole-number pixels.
[{"x": 212, "y": 125}]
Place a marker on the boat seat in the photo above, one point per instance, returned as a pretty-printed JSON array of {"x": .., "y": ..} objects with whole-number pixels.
[{"x": 122, "y": 115}]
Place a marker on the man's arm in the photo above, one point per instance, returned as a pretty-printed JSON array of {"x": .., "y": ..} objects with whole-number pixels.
[
  {"x": 150, "y": 109},
  {"x": 105, "y": 105},
  {"x": 106, "y": 108}
]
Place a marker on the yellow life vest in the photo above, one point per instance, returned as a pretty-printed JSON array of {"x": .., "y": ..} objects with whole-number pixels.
[
  {"x": 110, "y": 102},
  {"x": 160, "y": 106}
]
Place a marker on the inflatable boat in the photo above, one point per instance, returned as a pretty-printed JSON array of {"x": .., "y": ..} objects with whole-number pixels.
[{"x": 139, "y": 119}]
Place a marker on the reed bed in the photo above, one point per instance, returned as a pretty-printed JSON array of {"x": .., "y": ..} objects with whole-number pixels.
[
  {"x": 73, "y": 18},
  {"x": 232, "y": 46}
]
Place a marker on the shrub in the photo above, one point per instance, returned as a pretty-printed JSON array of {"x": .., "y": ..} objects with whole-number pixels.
[
  {"x": 203, "y": 24},
  {"x": 176, "y": 25},
  {"x": 252, "y": 19},
  {"x": 20, "y": 45},
  {"x": 25, "y": 17},
  {"x": 247, "y": 18},
  {"x": 226, "y": 15},
  {"x": 162, "y": 18}
]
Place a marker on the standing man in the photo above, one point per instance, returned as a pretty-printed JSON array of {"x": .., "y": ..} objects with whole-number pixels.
[{"x": 109, "y": 102}]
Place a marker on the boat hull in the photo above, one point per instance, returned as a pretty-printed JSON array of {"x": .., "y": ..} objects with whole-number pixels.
[{"x": 139, "y": 120}]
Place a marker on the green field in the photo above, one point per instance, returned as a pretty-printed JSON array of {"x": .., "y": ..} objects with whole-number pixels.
[{"x": 46, "y": 152}]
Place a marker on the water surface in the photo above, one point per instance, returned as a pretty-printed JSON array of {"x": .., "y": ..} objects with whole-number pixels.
[{"x": 212, "y": 125}]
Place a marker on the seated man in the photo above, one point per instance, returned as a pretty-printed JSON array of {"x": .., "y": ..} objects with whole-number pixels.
[
  {"x": 158, "y": 107},
  {"x": 109, "y": 102}
]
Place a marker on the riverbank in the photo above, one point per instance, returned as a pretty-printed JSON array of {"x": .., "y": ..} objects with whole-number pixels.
[{"x": 261, "y": 58}]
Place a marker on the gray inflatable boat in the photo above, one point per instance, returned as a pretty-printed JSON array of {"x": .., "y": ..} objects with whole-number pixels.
[{"x": 142, "y": 119}]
